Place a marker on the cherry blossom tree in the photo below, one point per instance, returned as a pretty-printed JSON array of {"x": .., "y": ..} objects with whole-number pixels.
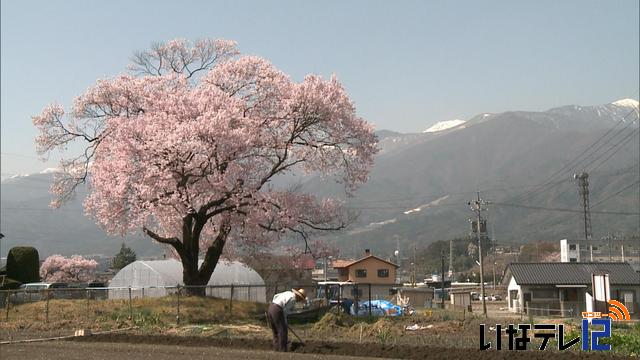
[
  {"x": 57, "y": 268},
  {"x": 186, "y": 148}
]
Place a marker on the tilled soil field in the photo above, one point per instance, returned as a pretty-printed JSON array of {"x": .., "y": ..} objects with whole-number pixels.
[{"x": 344, "y": 348}]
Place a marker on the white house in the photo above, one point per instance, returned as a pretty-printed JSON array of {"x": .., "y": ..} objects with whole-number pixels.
[{"x": 562, "y": 288}]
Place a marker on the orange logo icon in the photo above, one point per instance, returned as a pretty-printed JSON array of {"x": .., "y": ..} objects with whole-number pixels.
[{"x": 617, "y": 311}]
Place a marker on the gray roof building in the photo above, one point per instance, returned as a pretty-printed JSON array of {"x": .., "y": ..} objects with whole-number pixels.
[
  {"x": 566, "y": 289},
  {"x": 570, "y": 273}
]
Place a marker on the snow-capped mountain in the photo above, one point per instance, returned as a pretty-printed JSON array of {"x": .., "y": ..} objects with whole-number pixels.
[
  {"x": 628, "y": 103},
  {"x": 420, "y": 184},
  {"x": 504, "y": 155},
  {"x": 444, "y": 125}
]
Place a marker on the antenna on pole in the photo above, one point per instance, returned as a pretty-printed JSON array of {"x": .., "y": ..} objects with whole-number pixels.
[{"x": 583, "y": 189}]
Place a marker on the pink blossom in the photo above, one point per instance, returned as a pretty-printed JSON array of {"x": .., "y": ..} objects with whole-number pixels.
[
  {"x": 187, "y": 149},
  {"x": 57, "y": 268}
]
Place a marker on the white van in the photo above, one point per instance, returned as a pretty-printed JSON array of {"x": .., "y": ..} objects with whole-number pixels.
[{"x": 35, "y": 292}]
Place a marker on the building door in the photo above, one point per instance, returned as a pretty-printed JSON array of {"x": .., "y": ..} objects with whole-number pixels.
[
  {"x": 526, "y": 300},
  {"x": 513, "y": 297}
]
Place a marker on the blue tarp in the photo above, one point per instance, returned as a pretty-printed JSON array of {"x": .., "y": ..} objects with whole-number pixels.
[{"x": 378, "y": 308}]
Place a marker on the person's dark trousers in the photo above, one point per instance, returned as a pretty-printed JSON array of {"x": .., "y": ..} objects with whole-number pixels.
[{"x": 278, "y": 327}]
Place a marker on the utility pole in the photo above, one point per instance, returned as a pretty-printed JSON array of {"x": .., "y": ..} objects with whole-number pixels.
[
  {"x": 583, "y": 189},
  {"x": 477, "y": 207},
  {"x": 415, "y": 264},
  {"x": 608, "y": 239},
  {"x": 493, "y": 252},
  {"x": 442, "y": 257},
  {"x": 325, "y": 268},
  {"x": 1, "y": 236},
  {"x": 451, "y": 259}
]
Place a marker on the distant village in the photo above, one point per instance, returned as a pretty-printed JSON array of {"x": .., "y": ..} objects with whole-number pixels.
[{"x": 548, "y": 284}]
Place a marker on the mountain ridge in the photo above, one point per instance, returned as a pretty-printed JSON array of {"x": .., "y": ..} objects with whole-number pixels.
[{"x": 419, "y": 186}]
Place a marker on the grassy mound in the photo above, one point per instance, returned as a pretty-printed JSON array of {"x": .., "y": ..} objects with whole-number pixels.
[
  {"x": 112, "y": 314},
  {"x": 333, "y": 320}
]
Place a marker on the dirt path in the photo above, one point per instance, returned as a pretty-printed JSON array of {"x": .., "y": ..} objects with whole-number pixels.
[
  {"x": 261, "y": 347},
  {"x": 66, "y": 350}
]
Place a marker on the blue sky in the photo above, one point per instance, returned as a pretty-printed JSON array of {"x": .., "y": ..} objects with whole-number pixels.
[{"x": 406, "y": 64}]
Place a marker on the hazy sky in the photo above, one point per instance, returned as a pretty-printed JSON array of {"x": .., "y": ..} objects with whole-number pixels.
[{"x": 406, "y": 64}]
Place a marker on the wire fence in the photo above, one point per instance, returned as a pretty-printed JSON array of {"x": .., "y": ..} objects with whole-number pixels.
[
  {"x": 127, "y": 302},
  {"x": 186, "y": 304},
  {"x": 215, "y": 303},
  {"x": 194, "y": 303}
]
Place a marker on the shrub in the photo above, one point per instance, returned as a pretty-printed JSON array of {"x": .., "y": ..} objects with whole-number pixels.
[{"x": 23, "y": 264}]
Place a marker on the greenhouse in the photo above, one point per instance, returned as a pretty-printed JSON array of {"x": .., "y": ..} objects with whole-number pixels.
[{"x": 156, "y": 278}]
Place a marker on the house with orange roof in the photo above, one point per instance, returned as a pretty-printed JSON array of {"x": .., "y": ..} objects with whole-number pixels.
[{"x": 369, "y": 270}]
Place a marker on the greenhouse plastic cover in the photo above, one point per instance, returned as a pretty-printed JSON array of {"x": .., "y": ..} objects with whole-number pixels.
[{"x": 169, "y": 273}]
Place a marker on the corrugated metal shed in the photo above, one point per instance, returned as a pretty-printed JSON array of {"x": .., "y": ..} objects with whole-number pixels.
[{"x": 571, "y": 273}]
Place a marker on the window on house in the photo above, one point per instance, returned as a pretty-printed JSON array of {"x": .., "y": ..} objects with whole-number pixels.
[
  {"x": 570, "y": 294},
  {"x": 573, "y": 260},
  {"x": 545, "y": 293},
  {"x": 595, "y": 248},
  {"x": 572, "y": 246},
  {"x": 383, "y": 273},
  {"x": 627, "y": 300},
  {"x": 361, "y": 273}
]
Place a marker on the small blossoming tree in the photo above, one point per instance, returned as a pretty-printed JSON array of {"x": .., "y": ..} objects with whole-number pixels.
[
  {"x": 187, "y": 146},
  {"x": 57, "y": 268}
]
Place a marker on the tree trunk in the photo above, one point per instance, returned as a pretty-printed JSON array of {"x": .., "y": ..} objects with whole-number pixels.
[
  {"x": 194, "y": 278},
  {"x": 195, "y": 285}
]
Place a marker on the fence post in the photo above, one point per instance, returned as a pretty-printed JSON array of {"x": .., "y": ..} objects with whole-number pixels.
[
  {"x": 369, "y": 299},
  {"x": 8, "y": 298},
  {"x": 356, "y": 297},
  {"x": 231, "y": 301},
  {"x": 249, "y": 293},
  {"x": 130, "y": 308},
  {"x": 178, "y": 313},
  {"x": 326, "y": 294},
  {"x": 87, "y": 294},
  {"x": 46, "y": 307},
  {"x": 143, "y": 292}
]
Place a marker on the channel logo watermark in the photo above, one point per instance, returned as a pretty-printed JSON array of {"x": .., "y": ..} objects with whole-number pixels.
[{"x": 518, "y": 337}]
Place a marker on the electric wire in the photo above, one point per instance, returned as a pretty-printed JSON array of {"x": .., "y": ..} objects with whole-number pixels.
[{"x": 570, "y": 165}]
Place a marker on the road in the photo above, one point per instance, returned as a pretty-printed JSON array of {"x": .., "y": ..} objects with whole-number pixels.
[{"x": 68, "y": 350}]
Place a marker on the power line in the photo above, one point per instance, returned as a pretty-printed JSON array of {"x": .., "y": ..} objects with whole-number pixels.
[
  {"x": 616, "y": 194},
  {"x": 19, "y": 155},
  {"x": 407, "y": 207},
  {"x": 361, "y": 205},
  {"x": 42, "y": 209},
  {"x": 564, "y": 210},
  {"x": 569, "y": 166},
  {"x": 627, "y": 170},
  {"x": 621, "y": 144}
]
